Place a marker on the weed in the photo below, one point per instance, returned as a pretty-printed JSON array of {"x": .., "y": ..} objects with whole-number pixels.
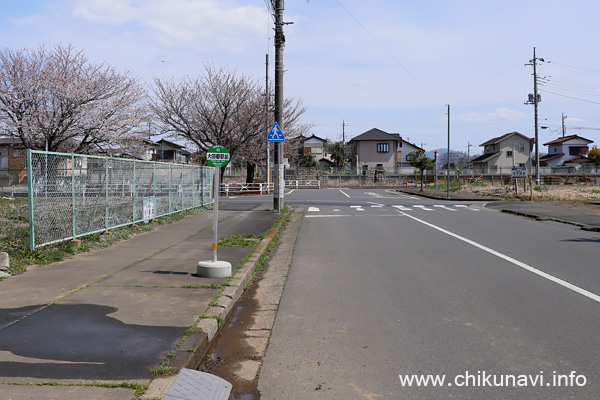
[
  {"x": 14, "y": 238},
  {"x": 162, "y": 369},
  {"x": 239, "y": 241}
]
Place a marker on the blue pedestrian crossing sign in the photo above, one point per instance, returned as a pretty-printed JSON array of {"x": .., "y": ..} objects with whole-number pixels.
[{"x": 275, "y": 134}]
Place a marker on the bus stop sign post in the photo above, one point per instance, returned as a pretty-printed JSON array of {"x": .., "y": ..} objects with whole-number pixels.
[{"x": 218, "y": 157}]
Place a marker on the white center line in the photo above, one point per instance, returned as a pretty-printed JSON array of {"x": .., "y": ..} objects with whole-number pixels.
[
  {"x": 518, "y": 263},
  {"x": 313, "y": 209}
]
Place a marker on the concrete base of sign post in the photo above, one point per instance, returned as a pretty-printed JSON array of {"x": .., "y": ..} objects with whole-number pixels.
[{"x": 214, "y": 269}]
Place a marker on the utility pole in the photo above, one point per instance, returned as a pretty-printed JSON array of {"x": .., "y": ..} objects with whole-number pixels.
[
  {"x": 344, "y": 124},
  {"x": 279, "y": 179},
  {"x": 564, "y": 129},
  {"x": 267, "y": 98},
  {"x": 469, "y": 145},
  {"x": 448, "y": 162},
  {"x": 535, "y": 99}
]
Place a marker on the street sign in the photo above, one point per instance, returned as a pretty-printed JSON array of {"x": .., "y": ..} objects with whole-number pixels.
[
  {"x": 217, "y": 156},
  {"x": 275, "y": 134},
  {"x": 519, "y": 173}
]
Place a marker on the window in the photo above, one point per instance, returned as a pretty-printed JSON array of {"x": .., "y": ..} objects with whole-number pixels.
[
  {"x": 574, "y": 151},
  {"x": 383, "y": 147},
  {"x": 521, "y": 147},
  {"x": 509, "y": 154}
]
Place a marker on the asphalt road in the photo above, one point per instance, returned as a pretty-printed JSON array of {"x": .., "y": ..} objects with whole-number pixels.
[{"x": 385, "y": 288}]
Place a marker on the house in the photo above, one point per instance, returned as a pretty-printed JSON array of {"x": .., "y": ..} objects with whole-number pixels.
[
  {"x": 149, "y": 150},
  {"x": 13, "y": 155},
  {"x": 565, "y": 151},
  {"x": 503, "y": 152},
  {"x": 316, "y": 147},
  {"x": 171, "y": 152},
  {"x": 378, "y": 149}
]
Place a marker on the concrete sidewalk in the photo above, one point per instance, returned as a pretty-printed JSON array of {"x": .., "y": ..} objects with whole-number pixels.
[
  {"x": 585, "y": 217},
  {"x": 113, "y": 315}
]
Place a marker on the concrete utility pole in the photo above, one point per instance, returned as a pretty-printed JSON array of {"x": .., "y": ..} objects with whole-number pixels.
[
  {"x": 344, "y": 124},
  {"x": 448, "y": 162},
  {"x": 535, "y": 99},
  {"x": 279, "y": 178},
  {"x": 564, "y": 129}
]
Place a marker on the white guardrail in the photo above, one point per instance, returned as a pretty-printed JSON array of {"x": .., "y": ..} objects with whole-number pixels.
[{"x": 262, "y": 188}]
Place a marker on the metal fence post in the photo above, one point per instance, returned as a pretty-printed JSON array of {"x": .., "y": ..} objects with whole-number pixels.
[
  {"x": 73, "y": 194},
  {"x": 30, "y": 200},
  {"x": 107, "y": 201},
  {"x": 134, "y": 190}
]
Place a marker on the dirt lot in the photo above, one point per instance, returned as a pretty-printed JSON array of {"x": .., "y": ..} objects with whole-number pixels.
[{"x": 573, "y": 195}]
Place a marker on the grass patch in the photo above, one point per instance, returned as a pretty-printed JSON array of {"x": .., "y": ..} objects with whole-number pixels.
[
  {"x": 239, "y": 241},
  {"x": 14, "y": 237}
]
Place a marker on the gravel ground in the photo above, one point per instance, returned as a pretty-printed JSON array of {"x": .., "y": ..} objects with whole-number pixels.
[{"x": 573, "y": 195}]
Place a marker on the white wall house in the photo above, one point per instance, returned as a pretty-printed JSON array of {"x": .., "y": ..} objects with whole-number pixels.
[
  {"x": 566, "y": 150},
  {"x": 315, "y": 146},
  {"x": 378, "y": 149},
  {"x": 503, "y": 152}
]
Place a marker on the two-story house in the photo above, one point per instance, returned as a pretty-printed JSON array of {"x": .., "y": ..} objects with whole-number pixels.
[
  {"x": 378, "y": 149},
  {"x": 503, "y": 152},
  {"x": 316, "y": 147},
  {"x": 566, "y": 150}
]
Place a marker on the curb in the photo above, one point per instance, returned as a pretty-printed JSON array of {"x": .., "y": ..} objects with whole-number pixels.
[
  {"x": 429, "y": 196},
  {"x": 584, "y": 227},
  {"x": 209, "y": 327}
]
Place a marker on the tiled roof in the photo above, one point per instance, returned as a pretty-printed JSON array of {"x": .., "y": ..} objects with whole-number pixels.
[
  {"x": 485, "y": 157},
  {"x": 376, "y": 134},
  {"x": 578, "y": 160},
  {"x": 549, "y": 157},
  {"x": 503, "y": 137},
  {"x": 566, "y": 138}
]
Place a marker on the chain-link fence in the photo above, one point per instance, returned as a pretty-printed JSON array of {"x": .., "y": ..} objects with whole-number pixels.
[{"x": 73, "y": 195}]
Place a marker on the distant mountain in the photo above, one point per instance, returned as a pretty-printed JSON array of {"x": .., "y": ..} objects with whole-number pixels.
[{"x": 441, "y": 151}]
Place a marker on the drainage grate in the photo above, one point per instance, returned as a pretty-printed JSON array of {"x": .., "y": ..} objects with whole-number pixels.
[{"x": 196, "y": 385}]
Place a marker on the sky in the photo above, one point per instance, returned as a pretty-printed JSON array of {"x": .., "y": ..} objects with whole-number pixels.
[{"x": 387, "y": 64}]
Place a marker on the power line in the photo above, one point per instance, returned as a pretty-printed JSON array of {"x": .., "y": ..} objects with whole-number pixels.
[
  {"x": 569, "y": 97},
  {"x": 390, "y": 54}
]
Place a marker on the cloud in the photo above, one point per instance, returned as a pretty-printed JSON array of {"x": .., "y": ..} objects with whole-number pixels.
[
  {"x": 501, "y": 115},
  {"x": 202, "y": 25}
]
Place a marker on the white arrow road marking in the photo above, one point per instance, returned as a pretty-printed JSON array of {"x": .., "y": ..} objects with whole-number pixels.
[
  {"x": 358, "y": 208},
  {"x": 376, "y": 205}
]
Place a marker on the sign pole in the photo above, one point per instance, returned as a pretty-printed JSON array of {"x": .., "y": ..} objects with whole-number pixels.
[
  {"x": 218, "y": 157},
  {"x": 217, "y": 185},
  {"x": 276, "y": 136}
]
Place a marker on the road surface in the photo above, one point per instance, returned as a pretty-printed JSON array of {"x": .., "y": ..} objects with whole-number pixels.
[{"x": 391, "y": 296}]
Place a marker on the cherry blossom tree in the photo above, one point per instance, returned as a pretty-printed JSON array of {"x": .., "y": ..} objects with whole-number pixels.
[
  {"x": 222, "y": 107},
  {"x": 56, "y": 97}
]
